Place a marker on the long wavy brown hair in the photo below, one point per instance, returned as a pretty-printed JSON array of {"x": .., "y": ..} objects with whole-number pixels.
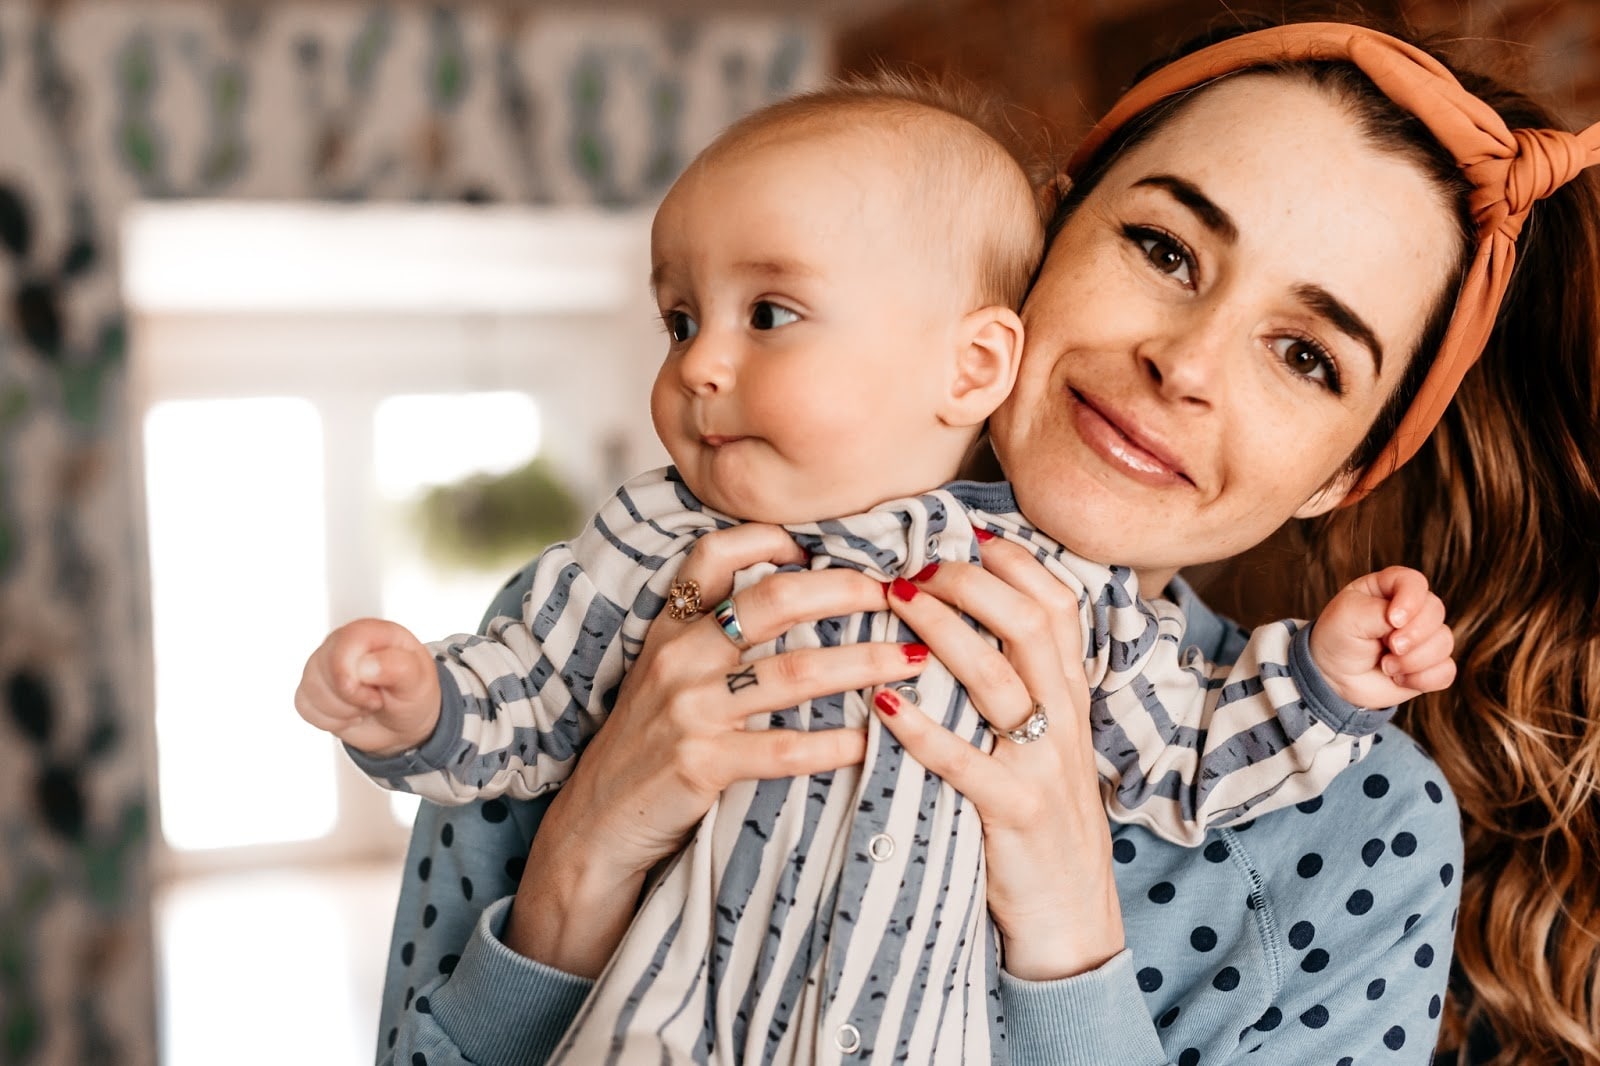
[{"x": 1501, "y": 510}]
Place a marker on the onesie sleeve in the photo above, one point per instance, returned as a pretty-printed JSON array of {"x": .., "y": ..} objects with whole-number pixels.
[
  {"x": 1186, "y": 744},
  {"x": 521, "y": 699}
]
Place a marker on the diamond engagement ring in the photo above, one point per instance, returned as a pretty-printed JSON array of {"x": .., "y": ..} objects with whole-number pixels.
[
  {"x": 683, "y": 600},
  {"x": 1035, "y": 727},
  {"x": 728, "y": 619}
]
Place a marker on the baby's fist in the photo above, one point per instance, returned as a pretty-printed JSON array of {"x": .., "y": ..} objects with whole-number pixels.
[
  {"x": 1383, "y": 640},
  {"x": 373, "y": 685}
]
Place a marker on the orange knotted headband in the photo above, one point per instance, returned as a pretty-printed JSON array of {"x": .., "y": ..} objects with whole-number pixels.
[{"x": 1508, "y": 169}]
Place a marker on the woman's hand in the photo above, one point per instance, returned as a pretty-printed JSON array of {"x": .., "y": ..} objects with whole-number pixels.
[
  {"x": 1046, "y": 837},
  {"x": 676, "y": 740}
]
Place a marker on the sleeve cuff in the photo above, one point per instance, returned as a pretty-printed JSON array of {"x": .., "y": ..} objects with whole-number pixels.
[
  {"x": 501, "y": 1007},
  {"x": 1093, "y": 1017},
  {"x": 435, "y": 753},
  {"x": 1326, "y": 705}
]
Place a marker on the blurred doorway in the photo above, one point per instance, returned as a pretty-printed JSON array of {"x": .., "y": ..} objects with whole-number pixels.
[{"x": 301, "y": 375}]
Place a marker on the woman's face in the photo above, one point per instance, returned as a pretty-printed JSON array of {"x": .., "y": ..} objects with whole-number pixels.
[{"x": 1217, "y": 326}]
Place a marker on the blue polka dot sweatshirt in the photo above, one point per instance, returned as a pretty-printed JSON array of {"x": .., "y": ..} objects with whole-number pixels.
[{"x": 1320, "y": 933}]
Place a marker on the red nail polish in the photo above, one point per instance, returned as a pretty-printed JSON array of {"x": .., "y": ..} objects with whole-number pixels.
[
  {"x": 887, "y": 702},
  {"x": 926, "y": 572},
  {"x": 915, "y": 653},
  {"x": 885, "y": 585},
  {"x": 902, "y": 589},
  {"x": 983, "y": 535}
]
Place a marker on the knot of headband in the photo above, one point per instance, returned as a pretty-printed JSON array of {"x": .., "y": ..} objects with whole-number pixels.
[
  {"x": 1509, "y": 170},
  {"x": 1542, "y": 162}
]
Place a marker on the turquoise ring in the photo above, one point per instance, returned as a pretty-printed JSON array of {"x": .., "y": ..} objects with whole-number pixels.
[{"x": 728, "y": 619}]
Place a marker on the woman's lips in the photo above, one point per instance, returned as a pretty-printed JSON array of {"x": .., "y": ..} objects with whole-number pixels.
[{"x": 1139, "y": 458}]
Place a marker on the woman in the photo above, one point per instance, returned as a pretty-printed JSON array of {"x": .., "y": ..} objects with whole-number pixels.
[{"x": 1203, "y": 268}]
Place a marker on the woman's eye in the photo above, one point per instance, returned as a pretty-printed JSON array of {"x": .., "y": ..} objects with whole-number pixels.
[
  {"x": 1308, "y": 359},
  {"x": 768, "y": 315},
  {"x": 680, "y": 327},
  {"x": 1164, "y": 253}
]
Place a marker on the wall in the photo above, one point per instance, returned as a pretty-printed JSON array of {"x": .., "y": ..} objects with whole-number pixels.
[
  {"x": 106, "y": 102},
  {"x": 1061, "y": 65}
]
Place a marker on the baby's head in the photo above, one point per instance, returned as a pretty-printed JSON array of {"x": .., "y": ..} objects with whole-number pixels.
[{"x": 839, "y": 275}]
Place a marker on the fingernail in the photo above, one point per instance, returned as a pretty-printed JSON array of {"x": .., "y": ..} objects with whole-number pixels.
[
  {"x": 926, "y": 572},
  {"x": 915, "y": 653},
  {"x": 885, "y": 585},
  {"x": 887, "y": 702},
  {"x": 1400, "y": 644},
  {"x": 1398, "y": 617},
  {"x": 902, "y": 589},
  {"x": 983, "y": 535},
  {"x": 1389, "y": 666},
  {"x": 367, "y": 668}
]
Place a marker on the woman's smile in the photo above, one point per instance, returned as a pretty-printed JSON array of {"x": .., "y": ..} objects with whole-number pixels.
[{"x": 1118, "y": 440}]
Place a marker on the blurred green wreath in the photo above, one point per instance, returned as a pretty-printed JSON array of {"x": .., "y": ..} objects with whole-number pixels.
[{"x": 497, "y": 521}]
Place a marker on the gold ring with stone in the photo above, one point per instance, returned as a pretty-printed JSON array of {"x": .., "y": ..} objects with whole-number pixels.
[
  {"x": 683, "y": 600},
  {"x": 1036, "y": 726}
]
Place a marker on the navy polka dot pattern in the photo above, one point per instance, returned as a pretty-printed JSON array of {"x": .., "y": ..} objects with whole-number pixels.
[
  {"x": 1239, "y": 957},
  {"x": 1336, "y": 951},
  {"x": 1292, "y": 939}
]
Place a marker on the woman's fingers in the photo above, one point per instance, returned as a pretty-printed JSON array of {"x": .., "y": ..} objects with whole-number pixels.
[
  {"x": 991, "y": 681},
  {"x": 726, "y": 695},
  {"x": 1017, "y": 567},
  {"x": 971, "y": 772},
  {"x": 718, "y": 555},
  {"x": 774, "y": 753},
  {"x": 780, "y": 601},
  {"x": 1032, "y": 612}
]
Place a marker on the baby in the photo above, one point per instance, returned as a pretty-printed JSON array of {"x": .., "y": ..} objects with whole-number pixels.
[{"x": 838, "y": 276}]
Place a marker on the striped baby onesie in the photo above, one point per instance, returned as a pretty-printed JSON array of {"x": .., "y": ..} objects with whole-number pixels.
[{"x": 842, "y": 917}]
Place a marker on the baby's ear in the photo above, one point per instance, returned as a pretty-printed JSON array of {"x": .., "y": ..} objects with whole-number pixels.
[{"x": 988, "y": 350}]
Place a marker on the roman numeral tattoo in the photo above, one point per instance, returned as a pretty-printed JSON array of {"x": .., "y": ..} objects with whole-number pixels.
[{"x": 744, "y": 679}]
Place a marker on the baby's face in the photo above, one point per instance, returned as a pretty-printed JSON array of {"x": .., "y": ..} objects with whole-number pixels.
[{"x": 804, "y": 329}]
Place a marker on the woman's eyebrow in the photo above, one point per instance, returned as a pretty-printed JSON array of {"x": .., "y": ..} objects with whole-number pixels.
[
  {"x": 1189, "y": 195},
  {"x": 1344, "y": 319},
  {"x": 1319, "y": 300}
]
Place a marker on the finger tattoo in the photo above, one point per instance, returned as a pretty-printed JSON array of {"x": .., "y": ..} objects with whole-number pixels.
[{"x": 743, "y": 679}]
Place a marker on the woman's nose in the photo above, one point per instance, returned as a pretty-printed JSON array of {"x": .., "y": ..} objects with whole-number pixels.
[{"x": 1187, "y": 365}]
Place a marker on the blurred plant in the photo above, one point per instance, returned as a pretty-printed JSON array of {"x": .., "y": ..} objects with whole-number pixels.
[{"x": 495, "y": 521}]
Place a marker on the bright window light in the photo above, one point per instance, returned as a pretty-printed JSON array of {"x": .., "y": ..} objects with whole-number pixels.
[
  {"x": 423, "y": 441},
  {"x": 420, "y": 441},
  {"x": 238, "y": 597}
]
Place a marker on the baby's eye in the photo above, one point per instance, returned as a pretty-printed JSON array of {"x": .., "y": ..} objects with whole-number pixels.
[
  {"x": 1164, "y": 252},
  {"x": 1308, "y": 359},
  {"x": 768, "y": 315},
  {"x": 680, "y": 327}
]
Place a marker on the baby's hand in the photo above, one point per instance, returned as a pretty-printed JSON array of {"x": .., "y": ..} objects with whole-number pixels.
[
  {"x": 373, "y": 685},
  {"x": 1382, "y": 640}
]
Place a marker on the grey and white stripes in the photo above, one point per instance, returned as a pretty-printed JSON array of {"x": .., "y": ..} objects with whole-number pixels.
[{"x": 843, "y": 917}]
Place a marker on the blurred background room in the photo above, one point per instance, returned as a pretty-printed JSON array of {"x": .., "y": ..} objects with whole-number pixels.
[{"x": 323, "y": 308}]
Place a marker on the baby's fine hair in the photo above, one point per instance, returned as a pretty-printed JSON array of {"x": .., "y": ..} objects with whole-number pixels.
[{"x": 970, "y": 169}]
